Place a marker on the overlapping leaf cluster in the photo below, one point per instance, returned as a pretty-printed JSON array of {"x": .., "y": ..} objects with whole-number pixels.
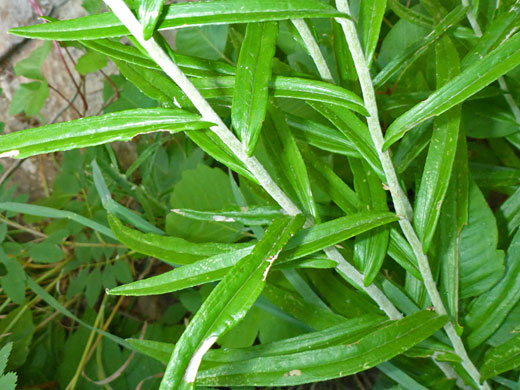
[{"x": 286, "y": 87}]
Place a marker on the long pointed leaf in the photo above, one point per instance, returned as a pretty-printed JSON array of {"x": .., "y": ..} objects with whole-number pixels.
[
  {"x": 107, "y": 25},
  {"x": 470, "y": 81},
  {"x": 228, "y": 303},
  {"x": 80, "y": 133},
  {"x": 252, "y": 81},
  {"x": 327, "y": 363},
  {"x": 149, "y": 13}
]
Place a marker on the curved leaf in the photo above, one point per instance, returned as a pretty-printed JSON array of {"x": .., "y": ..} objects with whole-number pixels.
[
  {"x": 107, "y": 25},
  {"x": 80, "y": 133}
]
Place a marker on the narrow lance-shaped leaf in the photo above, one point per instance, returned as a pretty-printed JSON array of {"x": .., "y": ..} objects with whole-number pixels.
[
  {"x": 254, "y": 69},
  {"x": 441, "y": 154},
  {"x": 371, "y": 17},
  {"x": 345, "y": 332},
  {"x": 149, "y": 13},
  {"x": 327, "y": 363},
  {"x": 304, "y": 243},
  {"x": 490, "y": 309},
  {"x": 286, "y": 155},
  {"x": 454, "y": 216},
  {"x": 470, "y": 81},
  {"x": 401, "y": 62},
  {"x": 80, "y": 133},
  {"x": 370, "y": 247},
  {"x": 173, "y": 250},
  {"x": 286, "y": 87},
  {"x": 227, "y": 304},
  {"x": 500, "y": 359},
  {"x": 198, "y": 13},
  {"x": 48, "y": 212},
  {"x": 252, "y": 216}
]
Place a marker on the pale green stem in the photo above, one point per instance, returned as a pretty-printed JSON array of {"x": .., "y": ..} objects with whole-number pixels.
[
  {"x": 401, "y": 202},
  {"x": 314, "y": 49},
  {"x": 220, "y": 129}
]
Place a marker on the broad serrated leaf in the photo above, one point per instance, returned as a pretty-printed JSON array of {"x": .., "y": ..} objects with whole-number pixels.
[
  {"x": 441, "y": 153},
  {"x": 496, "y": 63},
  {"x": 490, "y": 309},
  {"x": 254, "y": 67},
  {"x": 149, "y": 13},
  {"x": 227, "y": 304},
  {"x": 107, "y": 25},
  {"x": 327, "y": 363},
  {"x": 481, "y": 265},
  {"x": 118, "y": 126}
]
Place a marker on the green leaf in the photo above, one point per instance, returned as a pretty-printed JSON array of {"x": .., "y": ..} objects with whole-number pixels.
[
  {"x": 498, "y": 62},
  {"x": 286, "y": 156},
  {"x": 173, "y": 250},
  {"x": 181, "y": 15},
  {"x": 13, "y": 283},
  {"x": 30, "y": 67},
  {"x": 29, "y": 98},
  {"x": 254, "y": 70},
  {"x": 7, "y": 380},
  {"x": 228, "y": 303},
  {"x": 332, "y": 232},
  {"x": 118, "y": 126},
  {"x": 252, "y": 216},
  {"x": 410, "y": 14},
  {"x": 149, "y": 13},
  {"x": 304, "y": 243},
  {"x": 45, "y": 253},
  {"x": 490, "y": 309},
  {"x": 47, "y": 212},
  {"x": 205, "y": 189},
  {"x": 441, "y": 154},
  {"x": 194, "y": 274},
  {"x": 369, "y": 26},
  {"x": 370, "y": 247},
  {"x": 353, "y": 129},
  {"x": 327, "y": 363},
  {"x": 481, "y": 264},
  {"x": 287, "y": 87},
  {"x": 500, "y": 359},
  {"x": 453, "y": 218},
  {"x": 400, "y": 63},
  {"x": 509, "y": 212},
  {"x": 90, "y": 62},
  {"x": 211, "y": 42},
  {"x": 343, "y": 333}
]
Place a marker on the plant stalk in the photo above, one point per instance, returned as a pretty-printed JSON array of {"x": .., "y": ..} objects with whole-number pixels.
[
  {"x": 401, "y": 202},
  {"x": 314, "y": 49}
]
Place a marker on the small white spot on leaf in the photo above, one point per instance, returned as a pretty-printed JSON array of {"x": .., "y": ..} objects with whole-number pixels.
[{"x": 11, "y": 154}]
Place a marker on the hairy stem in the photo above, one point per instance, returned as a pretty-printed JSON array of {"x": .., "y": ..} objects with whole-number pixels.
[
  {"x": 401, "y": 202},
  {"x": 313, "y": 48}
]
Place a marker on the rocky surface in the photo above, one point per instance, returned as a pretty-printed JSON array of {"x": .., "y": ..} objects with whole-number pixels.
[{"x": 34, "y": 173}]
